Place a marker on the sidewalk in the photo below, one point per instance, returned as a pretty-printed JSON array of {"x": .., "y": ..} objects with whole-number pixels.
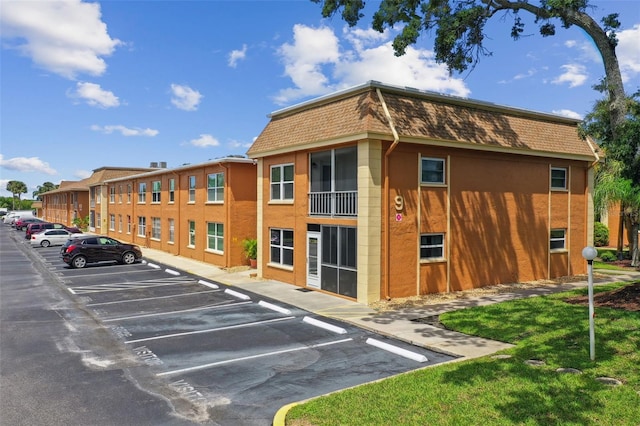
[{"x": 400, "y": 324}]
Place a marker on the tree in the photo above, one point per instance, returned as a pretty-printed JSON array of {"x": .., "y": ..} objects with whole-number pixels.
[
  {"x": 459, "y": 31},
  {"x": 16, "y": 188},
  {"x": 45, "y": 187}
]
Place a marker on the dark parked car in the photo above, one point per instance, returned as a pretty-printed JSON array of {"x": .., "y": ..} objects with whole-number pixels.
[
  {"x": 77, "y": 252},
  {"x": 34, "y": 228},
  {"x": 22, "y": 223}
]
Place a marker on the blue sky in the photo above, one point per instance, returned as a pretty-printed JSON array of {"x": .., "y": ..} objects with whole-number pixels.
[{"x": 126, "y": 83}]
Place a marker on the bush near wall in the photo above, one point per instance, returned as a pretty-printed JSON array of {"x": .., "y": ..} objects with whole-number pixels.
[{"x": 600, "y": 234}]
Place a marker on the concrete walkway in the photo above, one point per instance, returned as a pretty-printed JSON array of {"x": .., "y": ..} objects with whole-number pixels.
[{"x": 400, "y": 323}]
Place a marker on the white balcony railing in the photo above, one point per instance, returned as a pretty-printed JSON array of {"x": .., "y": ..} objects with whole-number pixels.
[{"x": 340, "y": 203}]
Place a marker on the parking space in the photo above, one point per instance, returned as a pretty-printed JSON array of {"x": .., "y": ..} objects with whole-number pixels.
[{"x": 239, "y": 353}]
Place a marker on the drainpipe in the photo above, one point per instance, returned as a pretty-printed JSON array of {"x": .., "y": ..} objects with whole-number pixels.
[
  {"x": 176, "y": 235},
  {"x": 227, "y": 208},
  {"x": 385, "y": 199},
  {"x": 590, "y": 194}
]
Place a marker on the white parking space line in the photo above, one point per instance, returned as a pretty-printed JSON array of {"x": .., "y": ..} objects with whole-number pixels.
[
  {"x": 106, "y": 288},
  {"x": 102, "y": 274},
  {"x": 157, "y": 314},
  {"x": 152, "y": 298},
  {"x": 229, "y": 361},
  {"x": 396, "y": 350},
  {"x": 326, "y": 326},
  {"x": 210, "y": 330}
]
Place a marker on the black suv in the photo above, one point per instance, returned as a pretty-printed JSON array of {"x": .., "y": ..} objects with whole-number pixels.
[{"x": 77, "y": 252}]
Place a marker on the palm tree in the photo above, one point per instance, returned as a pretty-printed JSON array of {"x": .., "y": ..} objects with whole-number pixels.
[
  {"x": 16, "y": 188},
  {"x": 45, "y": 187}
]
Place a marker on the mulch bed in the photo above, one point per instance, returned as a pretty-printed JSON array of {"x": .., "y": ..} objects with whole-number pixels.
[{"x": 626, "y": 298}]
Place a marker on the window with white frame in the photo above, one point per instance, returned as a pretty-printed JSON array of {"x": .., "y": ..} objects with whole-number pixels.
[
  {"x": 112, "y": 194},
  {"x": 432, "y": 170},
  {"x": 558, "y": 178},
  {"x": 120, "y": 223},
  {"x": 192, "y": 189},
  {"x": 282, "y": 182},
  {"x": 128, "y": 224},
  {"x": 172, "y": 190},
  {"x": 558, "y": 239},
  {"x": 98, "y": 194},
  {"x": 142, "y": 192},
  {"x": 215, "y": 187},
  {"x": 129, "y": 194},
  {"x": 156, "y": 188},
  {"x": 142, "y": 226},
  {"x": 112, "y": 222},
  {"x": 120, "y": 194},
  {"x": 192, "y": 233},
  {"x": 98, "y": 220},
  {"x": 281, "y": 246},
  {"x": 155, "y": 228},
  {"x": 172, "y": 230},
  {"x": 431, "y": 246},
  {"x": 215, "y": 236}
]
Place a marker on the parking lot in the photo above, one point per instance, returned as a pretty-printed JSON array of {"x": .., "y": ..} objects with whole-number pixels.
[{"x": 239, "y": 355}]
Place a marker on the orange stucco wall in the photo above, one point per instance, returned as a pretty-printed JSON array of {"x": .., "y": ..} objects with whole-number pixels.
[{"x": 59, "y": 207}]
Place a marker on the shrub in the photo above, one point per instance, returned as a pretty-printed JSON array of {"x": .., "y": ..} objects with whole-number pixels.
[
  {"x": 250, "y": 246},
  {"x": 600, "y": 234},
  {"x": 607, "y": 256}
]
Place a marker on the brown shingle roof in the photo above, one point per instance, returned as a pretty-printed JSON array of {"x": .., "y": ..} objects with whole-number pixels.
[
  {"x": 98, "y": 176},
  {"x": 419, "y": 117}
]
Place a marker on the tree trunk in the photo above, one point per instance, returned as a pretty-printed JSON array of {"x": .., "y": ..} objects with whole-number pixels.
[
  {"x": 635, "y": 252},
  {"x": 620, "y": 242}
]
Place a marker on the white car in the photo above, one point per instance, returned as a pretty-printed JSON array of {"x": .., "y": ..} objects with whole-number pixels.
[{"x": 52, "y": 237}]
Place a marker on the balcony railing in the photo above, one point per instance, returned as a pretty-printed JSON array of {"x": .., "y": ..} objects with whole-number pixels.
[{"x": 340, "y": 203}]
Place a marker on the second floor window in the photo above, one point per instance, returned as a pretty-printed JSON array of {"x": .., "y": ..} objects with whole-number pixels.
[
  {"x": 172, "y": 190},
  {"x": 215, "y": 187},
  {"x": 432, "y": 170},
  {"x": 155, "y": 191},
  {"x": 112, "y": 194},
  {"x": 192, "y": 189},
  {"x": 129, "y": 193},
  {"x": 142, "y": 193},
  {"x": 120, "y": 194},
  {"x": 558, "y": 178},
  {"x": 282, "y": 182}
]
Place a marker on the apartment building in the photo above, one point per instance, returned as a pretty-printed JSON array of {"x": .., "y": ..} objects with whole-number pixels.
[
  {"x": 385, "y": 192},
  {"x": 202, "y": 211}
]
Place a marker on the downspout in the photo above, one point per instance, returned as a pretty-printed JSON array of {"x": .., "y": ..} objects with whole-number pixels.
[
  {"x": 227, "y": 208},
  {"x": 176, "y": 235},
  {"x": 589, "y": 186},
  {"x": 385, "y": 196}
]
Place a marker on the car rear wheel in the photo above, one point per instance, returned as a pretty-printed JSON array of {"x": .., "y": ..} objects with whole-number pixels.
[
  {"x": 45, "y": 243},
  {"x": 79, "y": 262},
  {"x": 128, "y": 258}
]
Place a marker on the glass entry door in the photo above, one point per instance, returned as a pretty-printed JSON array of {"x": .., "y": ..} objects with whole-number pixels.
[{"x": 313, "y": 259}]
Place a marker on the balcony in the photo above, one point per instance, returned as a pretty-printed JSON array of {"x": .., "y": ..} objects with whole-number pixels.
[{"x": 333, "y": 204}]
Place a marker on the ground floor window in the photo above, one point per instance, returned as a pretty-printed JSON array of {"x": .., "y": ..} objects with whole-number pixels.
[
  {"x": 112, "y": 222},
  {"x": 98, "y": 220},
  {"x": 142, "y": 226},
  {"x": 281, "y": 246},
  {"x": 431, "y": 246},
  {"x": 172, "y": 231},
  {"x": 128, "y": 224},
  {"x": 155, "y": 228},
  {"x": 558, "y": 239},
  {"x": 192, "y": 233},
  {"x": 215, "y": 236},
  {"x": 339, "y": 272},
  {"x": 120, "y": 223}
]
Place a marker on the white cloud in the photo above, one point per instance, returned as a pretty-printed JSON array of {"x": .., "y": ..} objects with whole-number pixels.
[
  {"x": 628, "y": 52},
  {"x": 82, "y": 174},
  {"x": 94, "y": 95},
  {"x": 125, "y": 131},
  {"x": 568, "y": 113},
  {"x": 588, "y": 52},
  {"x": 574, "y": 74},
  {"x": 234, "y": 144},
  {"x": 65, "y": 37},
  {"x": 204, "y": 141},
  {"x": 317, "y": 64},
  {"x": 185, "y": 98},
  {"x": 237, "y": 55},
  {"x": 27, "y": 164}
]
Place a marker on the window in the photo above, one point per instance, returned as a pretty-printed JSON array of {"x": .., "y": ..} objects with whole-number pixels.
[
  {"x": 172, "y": 190},
  {"x": 192, "y": 189},
  {"x": 431, "y": 246},
  {"x": 172, "y": 230},
  {"x": 215, "y": 187},
  {"x": 558, "y": 239},
  {"x": 334, "y": 182},
  {"x": 142, "y": 226},
  {"x": 142, "y": 192},
  {"x": 129, "y": 193},
  {"x": 155, "y": 228},
  {"x": 215, "y": 236},
  {"x": 120, "y": 223},
  {"x": 98, "y": 194},
  {"x": 558, "y": 178},
  {"x": 120, "y": 194},
  {"x": 155, "y": 191},
  {"x": 112, "y": 194},
  {"x": 339, "y": 272},
  {"x": 282, "y": 182},
  {"x": 281, "y": 246},
  {"x": 128, "y": 224},
  {"x": 98, "y": 220},
  {"x": 112, "y": 222},
  {"x": 432, "y": 170},
  {"x": 192, "y": 233}
]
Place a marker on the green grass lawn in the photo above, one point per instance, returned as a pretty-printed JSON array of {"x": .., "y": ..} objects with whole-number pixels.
[{"x": 491, "y": 391}]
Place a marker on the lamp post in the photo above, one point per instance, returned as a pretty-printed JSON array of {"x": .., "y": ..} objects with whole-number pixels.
[{"x": 590, "y": 253}]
